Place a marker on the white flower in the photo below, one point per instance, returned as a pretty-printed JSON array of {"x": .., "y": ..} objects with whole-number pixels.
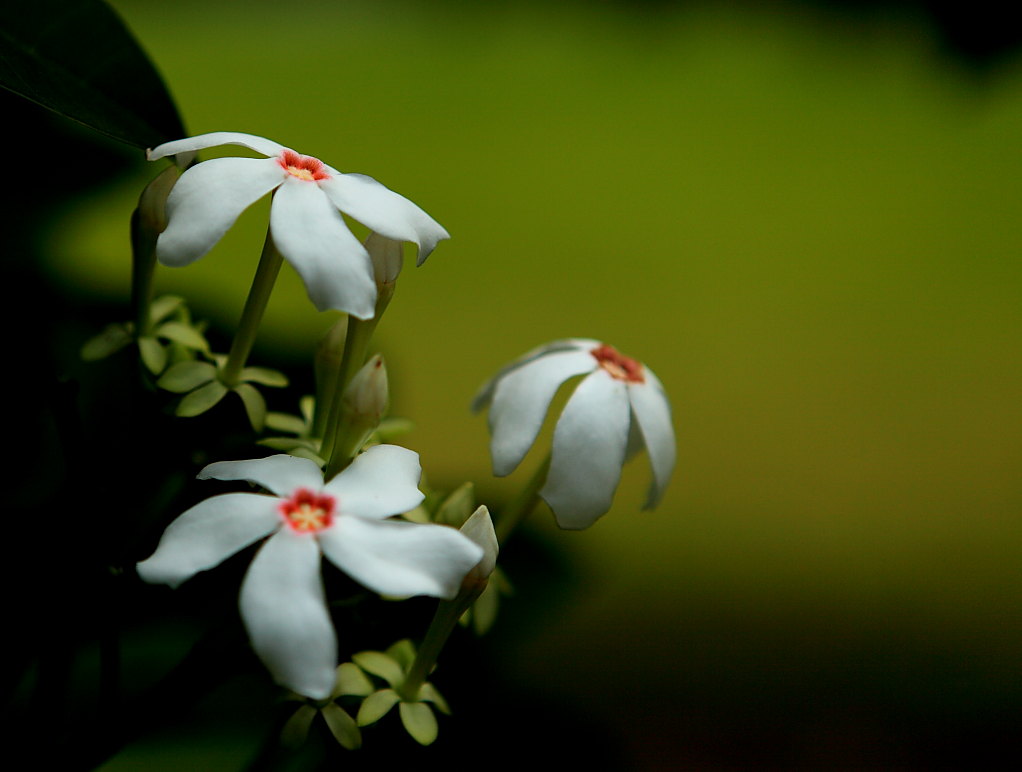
[
  {"x": 307, "y": 227},
  {"x": 282, "y": 599},
  {"x": 618, "y": 407}
]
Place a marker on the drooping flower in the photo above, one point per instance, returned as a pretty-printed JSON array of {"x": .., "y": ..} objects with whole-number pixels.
[
  {"x": 282, "y": 598},
  {"x": 305, "y": 217},
  {"x": 619, "y": 407}
]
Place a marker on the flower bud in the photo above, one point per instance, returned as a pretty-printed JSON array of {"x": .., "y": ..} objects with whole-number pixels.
[
  {"x": 479, "y": 528},
  {"x": 152, "y": 204},
  {"x": 387, "y": 256},
  {"x": 366, "y": 397}
]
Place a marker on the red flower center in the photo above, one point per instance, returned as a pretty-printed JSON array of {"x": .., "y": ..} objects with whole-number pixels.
[
  {"x": 304, "y": 167},
  {"x": 308, "y": 512},
  {"x": 618, "y": 365}
]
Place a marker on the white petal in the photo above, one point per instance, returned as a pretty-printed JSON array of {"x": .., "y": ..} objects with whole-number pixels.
[
  {"x": 653, "y": 415},
  {"x": 281, "y": 474},
  {"x": 314, "y": 238},
  {"x": 402, "y": 559},
  {"x": 260, "y": 144},
  {"x": 520, "y": 402},
  {"x": 485, "y": 394},
  {"x": 207, "y": 200},
  {"x": 381, "y": 482},
  {"x": 588, "y": 451},
  {"x": 207, "y": 534},
  {"x": 284, "y": 609},
  {"x": 384, "y": 211}
]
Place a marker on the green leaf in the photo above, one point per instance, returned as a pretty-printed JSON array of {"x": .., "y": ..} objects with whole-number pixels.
[
  {"x": 376, "y": 706},
  {"x": 255, "y": 405},
  {"x": 78, "y": 59},
  {"x": 163, "y": 307},
  {"x": 342, "y": 726},
  {"x": 286, "y": 444},
  {"x": 419, "y": 721},
  {"x": 307, "y": 407},
  {"x": 154, "y": 355},
  {"x": 296, "y": 730},
  {"x": 183, "y": 334},
  {"x": 285, "y": 422},
  {"x": 186, "y": 376},
  {"x": 428, "y": 693},
  {"x": 264, "y": 376},
  {"x": 382, "y": 665},
  {"x": 201, "y": 400},
  {"x": 403, "y": 652},
  {"x": 113, "y": 338},
  {"x": 352, "y": 681}
]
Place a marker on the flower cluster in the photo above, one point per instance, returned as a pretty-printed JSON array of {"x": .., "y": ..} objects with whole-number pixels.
[{"x": 347, "y": 513}]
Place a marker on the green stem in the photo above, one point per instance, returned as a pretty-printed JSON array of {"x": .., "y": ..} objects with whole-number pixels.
[
  {"x": 143, "y": 267},
  {"x": 327, "y": 371},
  {"x": 356, "y": 344},
  {"x": 523, "y": 504},
  {"x": 445, "y": 619},
  {"x": 360, "y": 332},
  {"x": 252, "y": 315}
]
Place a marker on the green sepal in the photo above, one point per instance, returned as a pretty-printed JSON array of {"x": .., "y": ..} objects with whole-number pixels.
[
  {"x": 428, "y": 693},
  {"x": 296, "y": 730},
  {"x": 113, "y": 338},
  {"x": 392, "y": 428},
  {"x": 342, "y": 726},
  {"x": 255, "y": 405},
  {"x": 484, "y": 610},
  {"x": 376, "y": 706},
  {"x": 483, "y": 613},
  {"x": 418, "y": 515},
  {"x": 382, "y": 665},
  {"x": 457, "y": 507},
  {"x": 201, "y": 400},
  {"x": 264, "y": 376},
  {"x": 183, "y": 377},
  {"x": 311, "y": 455},
  {"x": 419, "y": 721},
  {"x": 352, "y": 681},
  {"x": 182, "y": 333},
  {"x": 154, "y": 355}
]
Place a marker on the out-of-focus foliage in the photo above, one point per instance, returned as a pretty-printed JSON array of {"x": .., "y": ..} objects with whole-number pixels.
[{"x": 77, "y": 58}]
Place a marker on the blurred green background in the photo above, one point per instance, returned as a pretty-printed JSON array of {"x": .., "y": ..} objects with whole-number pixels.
[{"x": 806, "y": 222}]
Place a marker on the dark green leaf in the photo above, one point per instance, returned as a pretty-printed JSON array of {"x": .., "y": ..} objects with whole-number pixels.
[
  {"x": 255, "y": 405},
  {"x": 113, "y": 338},
  {"x": 153, "y": 354},
  {"x": 342, "y": 727},
  {"x": 264, "y": 375},
  {"x": 201, "y": 400},
  {"x": 77, "y": 58},
  {"x": 186, "y": 376}
]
